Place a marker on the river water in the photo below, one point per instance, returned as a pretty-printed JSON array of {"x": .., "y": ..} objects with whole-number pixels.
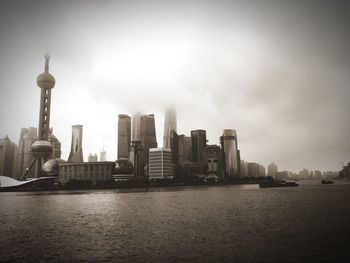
[{"x": 309, "y": 223}]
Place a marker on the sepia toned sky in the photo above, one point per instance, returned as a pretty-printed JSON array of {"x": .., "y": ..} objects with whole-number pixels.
[{"x": 276, "y": 71}]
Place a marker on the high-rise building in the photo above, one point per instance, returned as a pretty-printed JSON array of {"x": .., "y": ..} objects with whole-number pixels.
[
  {"x": 170, "y": 125},
  {"x": 174, "y": 147},
  {"x": 143, "y": 138},
  {"x": 27, "y": 137},
  {"x": 244, "y": 169},
  {"x": 56, "y": 145},
  {"x": 136, "y": 127},
  {"x": 8, "y": 158},
  {"x": 261, "y": 170},
  {"x": 272, "y": 170},
  {"x": 160, "y": 166},
  {"x": 199, "y": 142},
  {"x": 253, "y": 170},
  {"x": 148, "y": 134},
  {"x": 92, "y": 158},
  {"x": 214, "y": 159},
  {"x": 124, "y": 136},
  {"x": 229, "y": 146},
  {"x": 103, "y": 155},
  {"x": 76, "y": 151},
  {"x": 184, "y": 148}
]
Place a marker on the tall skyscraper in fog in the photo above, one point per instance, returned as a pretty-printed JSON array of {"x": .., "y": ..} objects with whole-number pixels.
[
  {"x": 148, "y": 134},
  {"x": 76, "y": 150},
  {"x": 103, "y": 155},
  {"x": 27, "y": 137},
  {"x": 169, "y": 126},
  {"x": 199, "y": 142},
  {"x": 136, "y": 127},
  {"x": 144, "y": 132},
  {"x": 229, "y": 145},
  {"x": 124, "y": 136},
  {"x": 8, "y": 158}
]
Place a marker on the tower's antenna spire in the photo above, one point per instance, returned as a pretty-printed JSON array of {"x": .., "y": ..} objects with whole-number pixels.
[{"x": 47, "y": 58}]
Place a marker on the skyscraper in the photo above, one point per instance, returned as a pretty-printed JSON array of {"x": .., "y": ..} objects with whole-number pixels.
[
  {"x": 124, "y": 136},
  {"x": 184, "y": 148},
  {"x": 148, "y": 135},
  {"x": 272, "y": 170},
  {"x": 174, "y": 146},
  {"x": 56, "y": 145},
  {"x": 136, "y": 127},
  {"x": 27, "y": 137},
  {"x": 103, "y": 155},
  {"x": 169, "y": 126},
  {"x": 199, "y": 142},
  {"x": 229, "y": 146},
  {"x": 8, "y": 158},
  {"x": 143, "y": 138},
  {"x": 76, "y": 151}
]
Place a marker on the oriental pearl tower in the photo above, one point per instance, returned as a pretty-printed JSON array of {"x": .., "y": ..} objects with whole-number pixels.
[{"x": 42, "y": 148}]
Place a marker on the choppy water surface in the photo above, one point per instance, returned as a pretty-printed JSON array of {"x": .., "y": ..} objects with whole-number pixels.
[{"x": 180, "y": 224}]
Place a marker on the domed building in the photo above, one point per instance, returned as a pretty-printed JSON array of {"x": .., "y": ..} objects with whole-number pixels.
[
  {"x": 51, "y": 167},
  {"x": 123, "y": 166}
]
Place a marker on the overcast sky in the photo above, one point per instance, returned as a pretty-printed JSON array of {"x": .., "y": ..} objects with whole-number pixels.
[{"x": 276, "y": 71}]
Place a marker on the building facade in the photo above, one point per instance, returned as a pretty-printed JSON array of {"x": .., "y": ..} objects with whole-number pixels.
[
  {"x": 160, "y": 166},
  {"x": 27, "y": 137},
  {"x": 92, "y": 158},
  {"x": 184, "y": 148},
  {"x": 214, "y": 159},
  {"x": 89, "y": 172},
  {"x": 8, "y": 158},
  {"x": 230, "y": 148},
  {"x": 170, "y": 125},
  {"x": 272, "y": 170},
  {"x": 124, "y": 135},
  {"x": 103, "y": 155},
  {"x": 198, "y": 143},
  {"x": 76, "y": 151},
  {"x": 56, "y": 145}
]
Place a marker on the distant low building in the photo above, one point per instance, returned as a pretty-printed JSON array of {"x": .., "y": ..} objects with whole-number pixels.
[
  {"x": 272, "y": 170},
  {"x": 89, "y": 172},
  {"x": 282, "y": 175},
  {"x": 92, "y": 157}
]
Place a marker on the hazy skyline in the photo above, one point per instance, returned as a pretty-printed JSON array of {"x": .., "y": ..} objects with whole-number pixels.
[{"x": 277, "y": 72}]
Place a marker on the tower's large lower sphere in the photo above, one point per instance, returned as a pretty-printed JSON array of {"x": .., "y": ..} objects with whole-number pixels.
[{"x": 41, "y": 149}]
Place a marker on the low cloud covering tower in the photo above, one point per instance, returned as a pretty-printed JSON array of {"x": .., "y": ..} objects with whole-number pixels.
[
  {"x": 76, "y": 150},
  {"x": 170, "y": 126}
]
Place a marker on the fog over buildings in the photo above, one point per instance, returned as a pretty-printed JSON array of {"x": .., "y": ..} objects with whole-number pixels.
[{"x": 277, "y": 72}]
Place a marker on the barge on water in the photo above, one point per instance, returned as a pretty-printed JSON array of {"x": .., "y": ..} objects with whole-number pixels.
[{"x": 277, "y": 184}]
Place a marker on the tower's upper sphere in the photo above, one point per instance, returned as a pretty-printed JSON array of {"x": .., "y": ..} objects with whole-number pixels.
[{"x": 46, "y": 80}]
